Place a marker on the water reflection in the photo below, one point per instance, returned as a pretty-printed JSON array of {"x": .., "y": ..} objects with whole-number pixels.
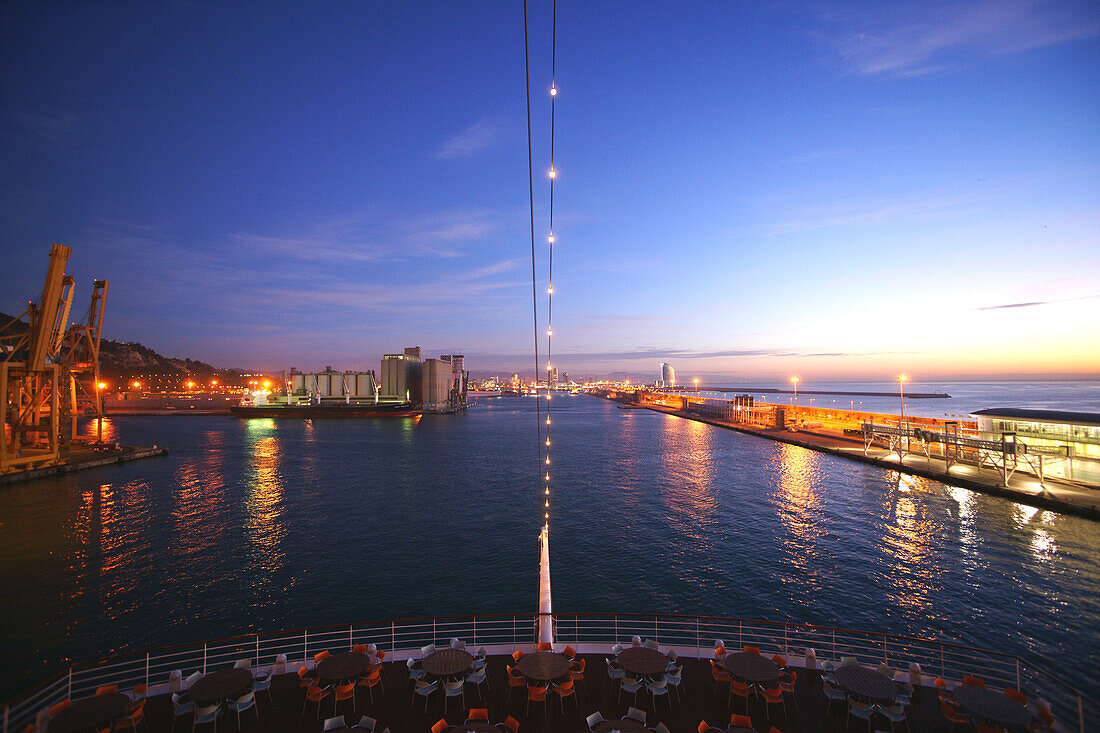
[
  {"x": 89, "y": 430},
  {"x": 909, "y": 540},
  {"x": 798, "y": 488},
  {"x": 199, "y": 521},
  {"x": 689, "y": 494},
  {"x": 264, "y": 507}
]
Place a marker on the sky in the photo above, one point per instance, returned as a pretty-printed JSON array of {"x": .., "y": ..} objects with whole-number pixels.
[{"x": 745, "y": 190}]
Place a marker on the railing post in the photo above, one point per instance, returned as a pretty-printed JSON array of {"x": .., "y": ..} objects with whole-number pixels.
[
  {"x": 885, "y": 653},
  {"x": 393, "y": 637},
  {"x": 698, "y": 642},
  {"x": 204, "y": 657},
  {"x": 1017, "y": 673},
  {"x": 834, "y": 646},
  {"x": 786, "y": 641},
  {"x": 5, "y": 719},
  {"x": 305, "y": 646},
  {"x": 433, "y": 631},
  {"x": 351, "y": 636},
  {"x": 616, "y": 639},
  {"x": 257, "y": 650},
  {"x": 70, "y": 691},
  {"x": 474, "y": 642},
  {"x": 146, "y": 669}
]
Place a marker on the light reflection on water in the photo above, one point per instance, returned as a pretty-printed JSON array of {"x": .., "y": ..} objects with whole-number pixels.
[{"x": 273, "y": 524}]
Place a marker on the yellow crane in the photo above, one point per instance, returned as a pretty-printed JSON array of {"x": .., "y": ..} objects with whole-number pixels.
[{"x": 48, "y": 371}]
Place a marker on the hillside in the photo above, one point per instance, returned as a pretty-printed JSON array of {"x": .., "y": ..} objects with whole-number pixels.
[{"x": 119, "y": 360}]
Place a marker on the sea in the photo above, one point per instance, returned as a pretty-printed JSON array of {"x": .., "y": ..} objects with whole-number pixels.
[{"x": 261, "y": 525}]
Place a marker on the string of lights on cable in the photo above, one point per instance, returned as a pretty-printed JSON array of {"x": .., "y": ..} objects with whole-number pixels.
[{"x": 550, "y": 260}]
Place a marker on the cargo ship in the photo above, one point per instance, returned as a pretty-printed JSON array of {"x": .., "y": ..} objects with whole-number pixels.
[
  {"x": 325, "y": 410},
  {"x": 262, "y": 404}
]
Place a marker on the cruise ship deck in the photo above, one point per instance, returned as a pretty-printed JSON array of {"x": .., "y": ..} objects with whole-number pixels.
[
  {"x": 395, "y": 708},
  {"x": 817, "y": 701}
]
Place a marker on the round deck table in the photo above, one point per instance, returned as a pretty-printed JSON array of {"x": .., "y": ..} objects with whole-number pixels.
[
  {"x": 865, "y": 683},
  {"x": 224, "y": 684},
  {"x": 543, "y": 666},
  {"x": 643, "y": 661},
  {"x": 749, "y": 667},
  {"x": 93, "y": 712},
  {"x": 479, "y": 726},
  {"x": 625, "y": 726},
  {"x": 447, "y": 662},
  {"x": 986, "y": 704},
  {"x": 342, "y": 667},
  {"x": 738, "y": 729}
]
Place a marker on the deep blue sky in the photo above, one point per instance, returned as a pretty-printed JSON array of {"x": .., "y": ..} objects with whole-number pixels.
[{"x": 745, "y": 189}]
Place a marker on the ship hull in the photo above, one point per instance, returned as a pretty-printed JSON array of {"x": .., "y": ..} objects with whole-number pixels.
[{"x": 322, "y": 411}]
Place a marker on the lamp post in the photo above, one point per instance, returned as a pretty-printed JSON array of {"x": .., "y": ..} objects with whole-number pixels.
[
  {"x": 794, "y": 381},
  {"x": 901, "y": 401},
  {"x": 696, "y": 380}
]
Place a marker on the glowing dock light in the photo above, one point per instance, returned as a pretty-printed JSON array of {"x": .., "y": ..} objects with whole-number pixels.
[
  {"x": 137, "y": 385},
  {"x": 101, "y": 385}
]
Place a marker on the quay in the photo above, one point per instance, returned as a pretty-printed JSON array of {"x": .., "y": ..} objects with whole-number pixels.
[
  {"x": 981, "y": 474},
  {"x": 80, "y": 459},
  {"x": 845, "y": 393}
]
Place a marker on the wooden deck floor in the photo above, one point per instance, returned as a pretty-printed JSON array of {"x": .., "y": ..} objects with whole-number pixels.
[{"x": 396, "y": 709}]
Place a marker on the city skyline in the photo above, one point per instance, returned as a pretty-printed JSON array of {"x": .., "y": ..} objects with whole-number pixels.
[{"x": 747, "y": 192}]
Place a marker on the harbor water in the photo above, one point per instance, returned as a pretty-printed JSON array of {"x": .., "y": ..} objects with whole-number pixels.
[{"x": 261, "y": 524}]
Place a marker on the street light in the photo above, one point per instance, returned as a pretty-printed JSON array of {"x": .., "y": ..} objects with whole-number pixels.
[
  {"x": 901, "y": 400},
  {"x": 696, "y": 380},
  {"x": 794, "y": 381}
]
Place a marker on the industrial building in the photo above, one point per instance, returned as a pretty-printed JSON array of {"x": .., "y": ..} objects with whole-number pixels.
[
  {"x": 332, "y": 386},
  {"x": 401, "y": 376}
]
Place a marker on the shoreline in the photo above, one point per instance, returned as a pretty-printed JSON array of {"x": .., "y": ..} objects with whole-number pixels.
[{"x": 1053, "y": 494}]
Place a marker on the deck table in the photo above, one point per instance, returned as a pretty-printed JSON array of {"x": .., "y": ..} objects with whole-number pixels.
[
  {"x": 447, "y": 662},
  {"x": 984, "y": 704},
  {"x": 224, "y": 684},
  {"x": 543, "y": 666},
  {"x": 643, "y": 661},
  {"x": 89, "y": 713},
  {"x": 342, "y": 667}
]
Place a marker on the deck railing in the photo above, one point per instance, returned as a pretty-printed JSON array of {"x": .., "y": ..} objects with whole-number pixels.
[{"x": 691, "y": 636}]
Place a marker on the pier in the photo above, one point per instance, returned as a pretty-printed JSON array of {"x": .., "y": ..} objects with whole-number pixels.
[
  {"x": 80, "y": 459},
  {"x": 968, "y": 463}
]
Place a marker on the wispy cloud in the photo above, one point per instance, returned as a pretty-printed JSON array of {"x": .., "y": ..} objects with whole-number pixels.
[
  {"x": 362, "y": 238},
  {"x": 916, "y": 39},
  {"x": 490, "y": 270},
  {"x": 869, "y": 212},
  {"x": 651, "y": 353},
  {"x": 50, "y": 129},
  {"x": 474, "y": 139},
  {"x": 1035, "y": 303},
  {"x": 622, "y": 318}
]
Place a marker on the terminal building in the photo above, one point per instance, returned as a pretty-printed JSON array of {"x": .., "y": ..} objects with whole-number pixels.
[{"x": 1078, "y": 433}]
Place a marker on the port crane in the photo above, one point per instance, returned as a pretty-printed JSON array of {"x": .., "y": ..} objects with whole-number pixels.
[{"x": 49, "y": 373}]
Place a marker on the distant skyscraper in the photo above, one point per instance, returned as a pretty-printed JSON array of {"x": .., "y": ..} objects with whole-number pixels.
[
  {"x": 554, "y": 377},
  {"x": 668, "y": 375}
]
